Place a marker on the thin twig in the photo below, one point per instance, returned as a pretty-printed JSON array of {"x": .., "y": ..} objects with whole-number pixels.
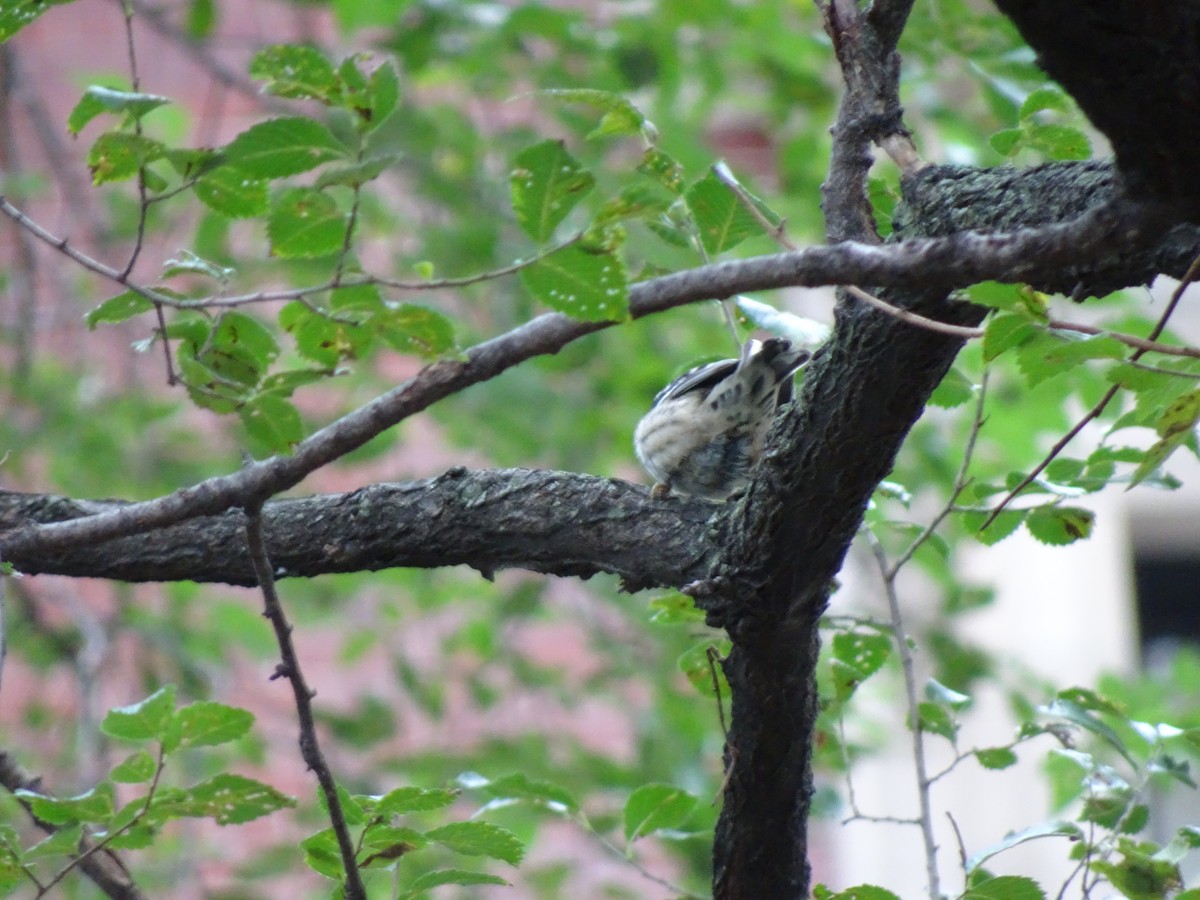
[
  {"x": 908, "y": 668},
  {"x": 904, "y": 315},
  {"x": 64, "y": 246},
  {"x": 1191, "y": 275},
  {"x": 962, "y": 847},
  {"x": 616, "y": 851},
  {"x": 135, "y": 82},
  {"x": 962, "y": 331},
  {"x": 960, "y": 483},
  {"x": 289, "y": 668},
  {"x": 713, "y": 655},
  {"x": 348, "y": 239},
  {"x": 143, "y": 201}
]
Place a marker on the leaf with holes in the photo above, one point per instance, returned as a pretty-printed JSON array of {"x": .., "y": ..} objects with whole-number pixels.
[
  {"x": 721, "y": 219},
  {"x": 226, "y": 798},
  {"x": 620, "y": 116},
  {"x": 272, "y": 422},
  {"x": 296, "y": 71},
  {"x": 584, "y": 285},
  {"x": 305, "y": 223},
  {"x": 547, "y": 183},
  {"x": 232, "y": 192},
  {"x": 117, "y": 155},
  {"x": 1060, "y": 525}
]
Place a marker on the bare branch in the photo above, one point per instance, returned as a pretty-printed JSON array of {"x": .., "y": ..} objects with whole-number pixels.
[{"x": 289, "y": 668}]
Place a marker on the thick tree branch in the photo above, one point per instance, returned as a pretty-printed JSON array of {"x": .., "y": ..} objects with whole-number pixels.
[
  {"x": 1103, "y": 232},
  {"x": 556, "y": 523}
]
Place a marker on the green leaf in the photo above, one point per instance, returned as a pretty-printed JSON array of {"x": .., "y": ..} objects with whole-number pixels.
[
  {"x": 97, "y": 100},
  {"x": 322, "y": 854},
  {"x": 620, "y": 117},
  {"x": 144, "y": 721},
  {"x": 675, "y": 609},
  {"x": 64, "y": 842},
  {"x": 1043, "y": 98},
  {"x": 94, "y": 806},
  {"x": 410, "y": 328},
  {"x": 414, "y": 799},
  {"x": 1063, "y": 707},
  {"x": 864, "y": 651},
  {"x": 1160, "y": 451},
  {"x": 480, "y": 839},
  {"x": 721, "y": 220},
  {"x": 654, "y": 807},
  {"x": 206, "y": 723},
  {"x": 201, "y": 19},
  {"x": 439, "y": 877},
  {"x": 321, "y": 338},
  {"x": 1014, "y": 838},
  {"x": 357, "y": 174},
  {"x": 117, "y": 155},
  {"x": 1180, "y": 416},
  {"x": 1078, "y": 348},
  {"x": 1007, "y": 141},
  {"x": 227, "y": 799},
  {"x": 954, "y": 390},
  {"x": 1005, "y": 523},
  {"x": 1059, "y": 142},
  {"x": 16, "y": 14},
  {"x": 238, "y": 333},
  {"x": 136, "y": 768},
  {"x": 305, "y": 223},
  {"x": 584, "y": 285},
  {"x": 232, "y": 192},
  {"x": 996, "y": 757},
  {"x": 297, "y": 72},
  {"x": 519, "y": 786},
  {"x": 189, "y": 263},
  {"x": 1005, "y": 887},
  {"x": 859, "y": 892},
  {"x": 118, "y": 309},
  {"x": 1060, "y": 525},
  {"x": 547, "y": 183},
  {"x": 277, "y": 148},
  {"x": 1003, "y": 331},
  {"x": 272, "y": 422},
  {"x": 938, "y": 693},
  {"x": 937, "y": 719},
  {"x": 664, "y": 169},
  {"x": 694, "y": 664}
]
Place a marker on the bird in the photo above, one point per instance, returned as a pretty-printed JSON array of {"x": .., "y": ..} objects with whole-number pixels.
[{"x": 706, "y": 429}]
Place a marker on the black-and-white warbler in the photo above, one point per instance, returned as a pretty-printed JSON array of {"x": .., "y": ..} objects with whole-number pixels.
[{"x": 706, "y": 428}]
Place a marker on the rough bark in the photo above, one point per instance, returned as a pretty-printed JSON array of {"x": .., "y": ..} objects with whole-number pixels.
[{"x": 552, "y": 522}]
